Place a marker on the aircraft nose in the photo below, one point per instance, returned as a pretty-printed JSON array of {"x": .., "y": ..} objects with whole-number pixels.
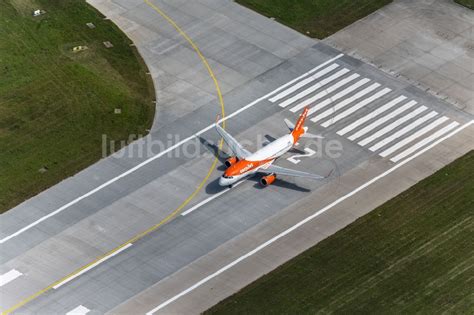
[{"x": 222, "y": 181}]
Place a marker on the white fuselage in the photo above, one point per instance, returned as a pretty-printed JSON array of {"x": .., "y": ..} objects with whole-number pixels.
[
  {"x": 273, "y": 150},
  {"x": 268, "y": 153}
]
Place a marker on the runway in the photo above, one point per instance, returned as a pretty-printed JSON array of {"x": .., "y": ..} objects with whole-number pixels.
[{"x": 97, "y": 251}]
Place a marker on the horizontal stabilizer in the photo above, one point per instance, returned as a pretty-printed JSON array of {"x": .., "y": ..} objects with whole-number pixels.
[{"x": 289, "y": 124}]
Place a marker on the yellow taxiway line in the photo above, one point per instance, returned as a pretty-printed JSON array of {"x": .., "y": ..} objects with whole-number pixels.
[{"x": 174, "y": 212}]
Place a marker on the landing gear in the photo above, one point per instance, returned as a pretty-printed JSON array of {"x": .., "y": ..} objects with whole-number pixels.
[{"x": 230, "y": 186}]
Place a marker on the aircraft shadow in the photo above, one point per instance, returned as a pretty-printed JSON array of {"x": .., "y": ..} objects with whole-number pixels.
[
  {"x": 214, "y": 150},
  {"x": 214, "y": 188},
  {"x": 279, "y": 183}
]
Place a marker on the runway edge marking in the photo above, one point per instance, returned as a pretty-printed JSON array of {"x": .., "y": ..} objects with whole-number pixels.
[{"x": 297, "y": 225}]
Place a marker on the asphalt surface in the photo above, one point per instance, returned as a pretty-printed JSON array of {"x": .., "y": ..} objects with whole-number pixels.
[{"x": 85, "y": 256}]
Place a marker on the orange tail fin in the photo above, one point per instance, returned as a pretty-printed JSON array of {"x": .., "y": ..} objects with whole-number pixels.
[{"x": 299, "y": 126}]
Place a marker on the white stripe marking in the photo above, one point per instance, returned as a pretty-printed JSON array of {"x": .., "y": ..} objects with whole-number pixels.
[
  {"x": 202, "y": 203},
  {"x": 314, "y": 87},
  {"x": 393, "y": 125},
  {"x": 381, "y": 120},
  {"x": 425, "y": 141},
  {"x": 303, "y": 83},
  {"x": 297, "y": 225},
  {"x": 133, "y": 169},
  {"x": 91, "y": 266},
  {"x": 346, "y": 102},
  {"x": 403, "y": 131},
  {"x": 9, "y": 277},
  {"x": 80, "y": 310},
  {"x": 371, "y": 115},
  {"x": 417, "y": 134},
  {"x": 337, "y": 96},
  {"x": 325, "y": 92},
  {"x": 355, "y": 108}
]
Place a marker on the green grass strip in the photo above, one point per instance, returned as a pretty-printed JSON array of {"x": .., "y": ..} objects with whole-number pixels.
[{"x": 414, "y": 254}]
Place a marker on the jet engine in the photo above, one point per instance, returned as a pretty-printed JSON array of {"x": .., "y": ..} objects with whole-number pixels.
[
  {"x": 231, "y": 161},
  {"x": 267, "y": 180}
]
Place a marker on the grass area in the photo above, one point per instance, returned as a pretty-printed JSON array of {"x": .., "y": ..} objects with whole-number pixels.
[
  {"x": 414, "y": 254},
  {"x": 467, "y": 3},
  {"x": 56, "y": 104},
  {"x": 316, "y": 18}
]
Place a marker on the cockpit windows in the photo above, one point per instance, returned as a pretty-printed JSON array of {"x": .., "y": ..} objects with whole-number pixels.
[{"x": 228, "y": 177}]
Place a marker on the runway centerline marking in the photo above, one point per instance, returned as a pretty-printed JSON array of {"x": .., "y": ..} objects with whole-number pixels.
[
  {"x": 9, "y": 277},
  {"x": 89, "y": 267},
  {"x": 202, "y": 203},
  {"x": 80, "y": 310},
  {"x": 304, "y": 221}
]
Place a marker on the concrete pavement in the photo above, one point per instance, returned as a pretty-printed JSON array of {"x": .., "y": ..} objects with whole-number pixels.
[
  {"x": 429, "y": 43},
  {"x": 392, "y": 119}
]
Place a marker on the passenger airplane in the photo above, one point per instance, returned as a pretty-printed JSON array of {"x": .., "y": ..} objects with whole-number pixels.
[{"x": 243, "y": 163}]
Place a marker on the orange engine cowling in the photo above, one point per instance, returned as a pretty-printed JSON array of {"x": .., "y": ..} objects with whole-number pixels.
[
  {"x": 267, "y": 180},
  {"x": 231, "y": 161}
]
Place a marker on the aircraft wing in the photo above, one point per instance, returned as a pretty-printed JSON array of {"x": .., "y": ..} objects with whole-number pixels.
[
  {"x": 278, "y": 170},
  {"x": 234, "y": 146}
]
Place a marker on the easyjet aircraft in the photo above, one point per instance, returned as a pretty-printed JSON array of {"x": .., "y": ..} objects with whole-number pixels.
[{"x": 243, "y": 163}]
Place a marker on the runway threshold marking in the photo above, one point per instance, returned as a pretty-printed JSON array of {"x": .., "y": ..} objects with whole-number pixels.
[
  {"x": 337, "y": 96},
  {"x": 304, "y": 221},
  {"x": 369, "y": 116},
  {"x": 171, "y": 215},
  {"x": 307, "y": 80},
  {"x": 304, "y": 82},
  {"x": 354, "y": 108},
  {"x": 313, "y": 88},
  {"x": 344, "y": 103}
]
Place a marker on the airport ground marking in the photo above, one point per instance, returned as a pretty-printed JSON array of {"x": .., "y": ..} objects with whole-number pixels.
[
  {"x": 173, "y": 147},
  {"x": 98, "y": 262},
  {"x": 79, "y": 310},
  {"x": 205, "y": 201},
  {"x": 171, "y": 215},
  {"x": 127, "y": 244},
  {"x": 9, "y": 277},
  {"x": 307, "y": 219}
]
